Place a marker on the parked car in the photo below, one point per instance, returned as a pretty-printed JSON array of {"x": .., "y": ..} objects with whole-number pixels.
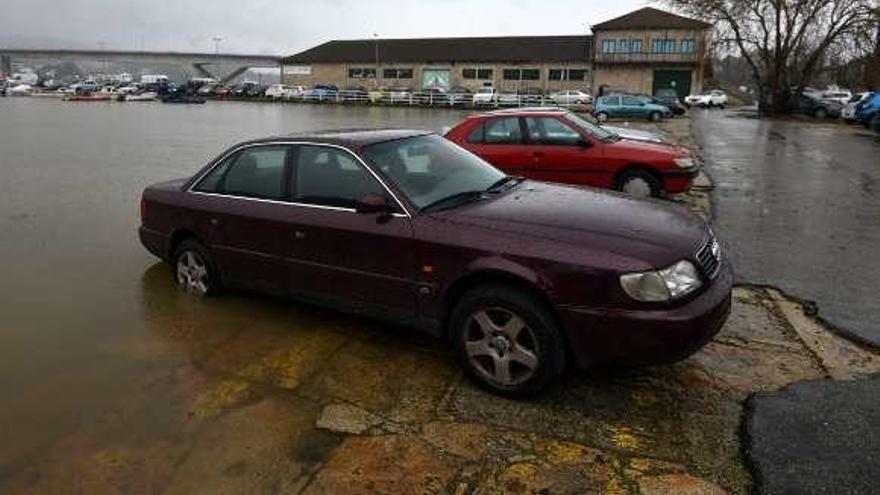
[
  {"x": 669, "y": 99},
  {"x": 630, "y": 106},
  {"x": 322, "y": 92},
  {"x": 849, "y": 110},
  {"x": 434, "y": 97},
  {"x": 571, "y": 97},
  {"x": 507, "y": 99},
  {"x": 485, "y": 96},
  {"x": 400, "y": 95},
  {"x": 707, "y": 99},
  {"x": 277, "y": 92},
  {"x": 559, "y": 146},
  {"x": 531, "y": 96},
  {"x": 354, "y": 94},
  {"x": 841, "y": 96},
  {"x": 868, "y": 111},
  {"x": 820, "y": 109},
  {"x": 520, "y": 277},
  {"x": 461, "y": 96}
]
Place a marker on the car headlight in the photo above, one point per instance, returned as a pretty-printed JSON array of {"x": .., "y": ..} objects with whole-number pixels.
[
  {"x": 669, "y": 283},
  {"x": 685, "y": 162}
]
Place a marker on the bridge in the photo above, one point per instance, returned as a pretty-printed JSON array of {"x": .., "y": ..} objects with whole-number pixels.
[{"x": 221, "y": 66}]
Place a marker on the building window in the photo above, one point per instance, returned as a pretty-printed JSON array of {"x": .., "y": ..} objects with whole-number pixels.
[
  {"x": 483, "y": 74},
  {"x": 635, "y": 46},
  {"x": 397, "y": 73},
  {"x": 567, "y": 74},
  {"x": 609, "y": 46},
  {"x": 688, "y": 46},
  {"x": 521, "y": 74},
  {"x": 531, "y": 74},
  {"x": 577, "y": 74},
  {"x": 361, "y": 73},
  {"x": 663, "y": 46},
  {"x": 622, "y": 46}
]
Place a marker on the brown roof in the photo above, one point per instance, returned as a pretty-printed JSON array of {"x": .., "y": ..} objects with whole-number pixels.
[
  {"x": 422, "y": 50},
  {"x": 650, "y": 18}
]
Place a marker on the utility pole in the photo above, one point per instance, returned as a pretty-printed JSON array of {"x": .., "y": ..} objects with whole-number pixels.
[{"x": 216, "y": 40}]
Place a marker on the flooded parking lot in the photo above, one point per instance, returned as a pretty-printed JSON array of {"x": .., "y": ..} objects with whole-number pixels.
[{"x": 116, "y": 382}]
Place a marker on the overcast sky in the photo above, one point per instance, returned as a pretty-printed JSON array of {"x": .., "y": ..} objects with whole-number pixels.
[{"x": 283, "y": 26}]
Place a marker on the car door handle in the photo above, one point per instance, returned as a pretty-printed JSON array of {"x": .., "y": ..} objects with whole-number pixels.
[
  {"x": 538, "y": 153},
  {"x": 299, "y": 235}
]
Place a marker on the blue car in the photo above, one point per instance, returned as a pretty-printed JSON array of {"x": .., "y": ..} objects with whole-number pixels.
[
  {"x": 868, "y": 111},
  {"x": 629, "y": 106}
]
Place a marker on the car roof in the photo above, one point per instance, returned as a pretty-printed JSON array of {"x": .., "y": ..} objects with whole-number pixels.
[
  {"x": 522, "y": 110},
  {"x": 353, "y": 138}
]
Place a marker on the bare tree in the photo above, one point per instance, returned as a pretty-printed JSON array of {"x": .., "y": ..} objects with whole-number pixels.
[{"x": 786, "y": 42}]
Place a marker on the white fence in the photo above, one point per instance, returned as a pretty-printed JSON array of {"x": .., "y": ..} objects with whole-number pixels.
[{"x": 433, "y": 99}]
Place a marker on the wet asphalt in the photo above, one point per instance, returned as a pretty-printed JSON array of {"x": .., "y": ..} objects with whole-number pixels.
[{"x": 797, "y": 205}]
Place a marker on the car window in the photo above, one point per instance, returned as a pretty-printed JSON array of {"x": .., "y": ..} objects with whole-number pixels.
[
  {"x": 631, "y": 101},
  {"x": 210, "y": 183},
  {"x": 502, "y": 131},
  {"x": 548, "y": 130},
  {"x": 612, "y": 101},
  {"x": 429, "y": 168},
  {"x": 328, "y": 176},
  {"x": 476, "y": 135},
  {"x": 255, "y": 172}
]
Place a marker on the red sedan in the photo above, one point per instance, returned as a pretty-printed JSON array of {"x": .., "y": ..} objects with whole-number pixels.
[{"x": 557, "y": 145}]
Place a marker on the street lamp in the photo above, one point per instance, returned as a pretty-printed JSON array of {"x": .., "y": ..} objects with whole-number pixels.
[{"x": 216, "y": 40}]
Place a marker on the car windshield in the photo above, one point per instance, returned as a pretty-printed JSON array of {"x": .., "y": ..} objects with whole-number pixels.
[
  {"x": 430, "y": 170},
  {"x": 593, "y": 129}
]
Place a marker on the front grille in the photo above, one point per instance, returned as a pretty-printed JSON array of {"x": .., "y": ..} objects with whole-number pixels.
[{"x": 709, "y": 256}]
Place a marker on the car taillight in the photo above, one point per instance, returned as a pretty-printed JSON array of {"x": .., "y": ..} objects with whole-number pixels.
[{"x": 143, "y": 209}]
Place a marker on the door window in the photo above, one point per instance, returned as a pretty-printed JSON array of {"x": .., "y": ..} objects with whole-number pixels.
[
  {"x": 547, "y": 130},
  {"x": 256, "y": 172},
  {"x": 503, "y": 131},
  {"x": 631, "y": 101},
  {"x": 331, "y": 177}
]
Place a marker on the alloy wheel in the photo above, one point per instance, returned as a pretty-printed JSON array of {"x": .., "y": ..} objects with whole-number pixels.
[
  {"x": 501, "y": 346},
  {"x": 192, "y": 273}
]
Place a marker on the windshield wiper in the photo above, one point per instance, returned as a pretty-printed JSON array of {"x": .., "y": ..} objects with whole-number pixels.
[
  {"x": 500, "y": 183},
  {"x": 454, "y": 200}
]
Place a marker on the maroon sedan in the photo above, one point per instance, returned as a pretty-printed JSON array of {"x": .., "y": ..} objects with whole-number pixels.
[{"x": 521, "y": 276}]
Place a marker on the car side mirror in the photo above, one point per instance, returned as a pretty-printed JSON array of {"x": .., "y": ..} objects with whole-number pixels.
[
  {"x": 583, "y": 143},
  {"x": 371, "y": 203}
]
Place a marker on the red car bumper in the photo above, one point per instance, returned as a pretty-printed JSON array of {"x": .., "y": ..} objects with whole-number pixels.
[
  {"x": 675, "y": 182},
  {"x": 645, "y": 337}
]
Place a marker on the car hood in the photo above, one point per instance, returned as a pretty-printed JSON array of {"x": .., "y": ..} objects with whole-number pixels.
[
  {"x": 647, "y": 233},
  {"x": 627, "y": 133},
  {"x": 639, "y": 147}
]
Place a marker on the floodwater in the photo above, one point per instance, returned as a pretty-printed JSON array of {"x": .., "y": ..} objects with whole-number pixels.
[
  {"x": 85, "y": 312},
  {"x": 798, "y": 204}
]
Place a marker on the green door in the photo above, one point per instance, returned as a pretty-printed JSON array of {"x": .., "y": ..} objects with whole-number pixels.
[{"x": 679, "y": 80}]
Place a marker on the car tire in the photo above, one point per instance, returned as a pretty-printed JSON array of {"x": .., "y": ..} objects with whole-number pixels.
[
  {"x": 194, "y": 270},
  {"x": 820, "y": 113},
  {"x": 639, "y": 183},
  {"x": 602, "y": 117},
  {"x": 874, "y": 123},
  {"x": 655, "y": 117},
  {"x": 509, "y": 343}
]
